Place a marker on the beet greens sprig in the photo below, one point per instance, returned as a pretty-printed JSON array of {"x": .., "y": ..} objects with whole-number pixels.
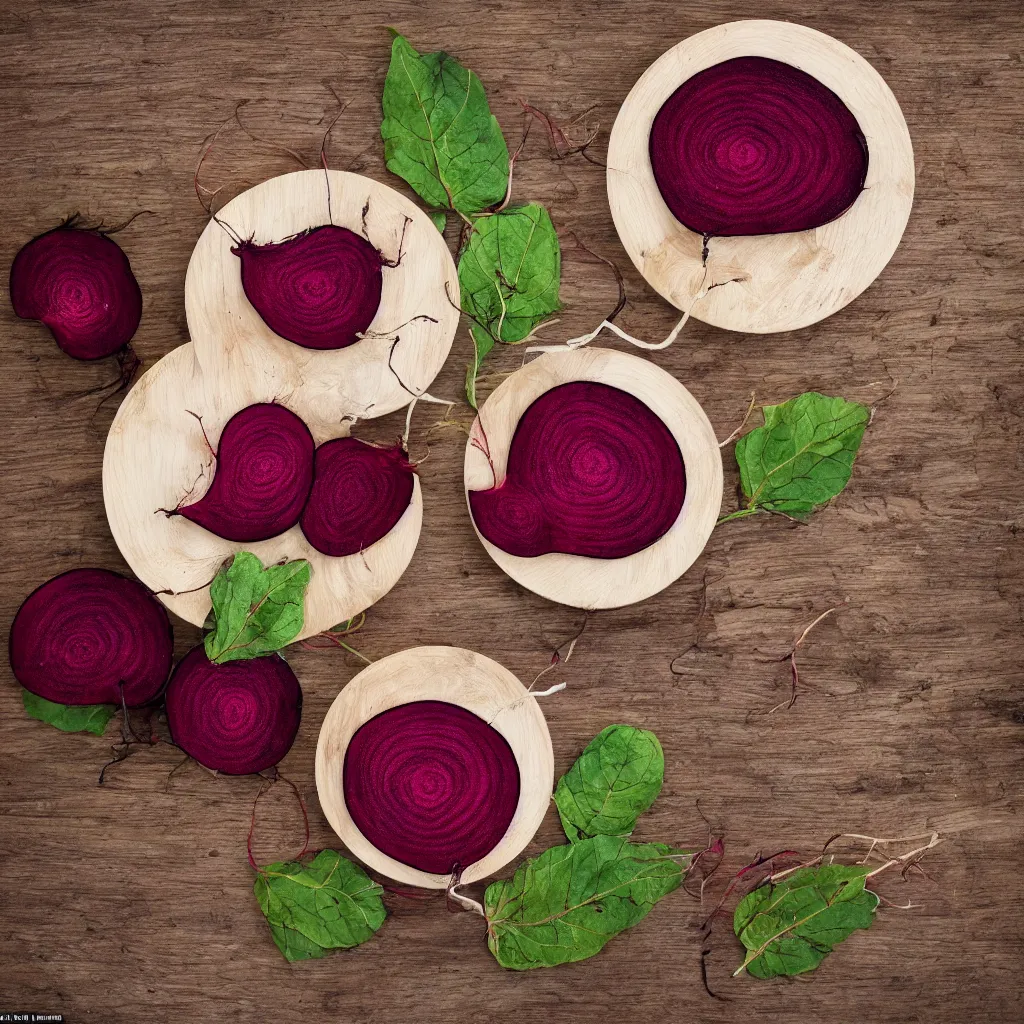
[
  {"x": 801, "y": 458},
  {"x": 441, "y": 137},
  {"x": 794, "y": 918}
]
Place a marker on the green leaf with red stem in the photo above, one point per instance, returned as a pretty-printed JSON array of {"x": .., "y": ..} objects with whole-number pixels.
[
  {"x": 509, "y": 277},
  {"x": 802, "y": 457},
  {"x": 439, "y": 133},
  {"x": 790, "y": 926},
  {"x": 616, "y": 778},
  {"x": 566, "y": 904}
]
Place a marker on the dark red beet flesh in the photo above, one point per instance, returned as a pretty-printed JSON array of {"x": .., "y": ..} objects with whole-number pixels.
[
  {"x": 91, "y": 636},
  {"x": 263, "y": 477},
  {"x": 431, "y": 785},
  {"x": 754, "y": 146},
  {"x": 591, "y": 471},
  {"x": 359, "y": 493},
  {"x": 319, "y": 289},
  {"x": 80, "y": 284},
  {"x": 237, "y": 718}
]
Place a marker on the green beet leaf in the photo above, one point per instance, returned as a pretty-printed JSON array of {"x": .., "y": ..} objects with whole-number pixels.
[
  {"x": 87, "y": 718},
  {"x": 439, "y": 133},
  {"x": 439, "y": 219},
  {"x": 567, "y": 903},
  {"x": 330, "y": 903},
  {"x": 256, "y": 610},
  {"x": 791, "y": 926},
  {"x": 509, "y": 275},
  {"x": 509, "y": 272},
  {"x": 803, "y": 455},
  {"x": 613, "y": 782}
]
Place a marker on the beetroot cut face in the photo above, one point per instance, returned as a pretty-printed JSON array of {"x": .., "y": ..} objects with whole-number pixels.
[
  {"x": 263, "y": 477},
  {"x": 237, "y": 718},
  {"x": 80, "y": 284},
  {"x": 91, "y": 636},
  {"x": 754, "y": 146},
  {"x": 431, "y": 785},
  {"x": 359, "y": 493},
  {"x": 591, "y": 471},
  {"x": 319, "y": 289}
]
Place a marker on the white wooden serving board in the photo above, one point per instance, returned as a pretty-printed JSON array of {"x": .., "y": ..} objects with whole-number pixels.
[
  {"x": 775, "y": 282},
  {"x": 232, "y": 342},
  {"x": 456, "y": 676},
  {"x": 577, "y": 580},
  {"x": 155, "y": 454}
]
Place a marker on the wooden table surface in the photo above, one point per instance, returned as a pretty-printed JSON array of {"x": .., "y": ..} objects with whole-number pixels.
[{"x": 133, "y": 901}]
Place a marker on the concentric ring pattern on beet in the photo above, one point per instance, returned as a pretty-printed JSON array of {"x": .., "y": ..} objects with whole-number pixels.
[
  {"x": 755, "y": 146},
  {"x": 431, "y": 785},
  {"x": 360, "y": 491},
  {"x": 92, "y": 636},
  {"x": 263, "y": 476},
  {"x": 238, "y": 718},
  {"x": 320, "y": 289},
  {"x": 80, "y": 284},
  {"x": 591, "y": 471}
]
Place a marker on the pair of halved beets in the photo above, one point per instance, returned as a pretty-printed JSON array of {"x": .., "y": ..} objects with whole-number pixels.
[
  {"x": 345, "y": 494},
  {"x": 92, "y": 636}
]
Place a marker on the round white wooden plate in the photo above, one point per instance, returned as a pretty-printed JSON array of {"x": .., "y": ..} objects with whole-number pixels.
[
  {"x": 578, "y": 580},
  {"x": 155, "y": 453},
  {"x": 232, "y": 341},
  {"x": 778, "y": 282},
  {"x": 456, "y": 676}
]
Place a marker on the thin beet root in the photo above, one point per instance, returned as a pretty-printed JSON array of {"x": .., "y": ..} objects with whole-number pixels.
[
  {"x": 276, "y": 777},
  {"x": 591, "y": 471},
  {"x": 754, "y": 146},
  {"x": 237, "y": 718},
  {"x": 263, "y": 477},
  {"x": 79, "y": 283},
  {"x": 91, "y": 636},
  {"x": 130, "y": 741},
  {"x": 320, "y": 289},
  {"x": 128, "y": 365},
  {"x": 359, "y": 493}
]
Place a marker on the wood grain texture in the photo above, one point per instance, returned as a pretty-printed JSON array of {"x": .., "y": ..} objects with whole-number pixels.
[
  {"x": 134, "y": 901},
  {"x": 455, "y": 676},
  {"x": 157, "y": 456},
  {"x": 593, "y": 583},
  {"x": 764, "y": 283}
]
